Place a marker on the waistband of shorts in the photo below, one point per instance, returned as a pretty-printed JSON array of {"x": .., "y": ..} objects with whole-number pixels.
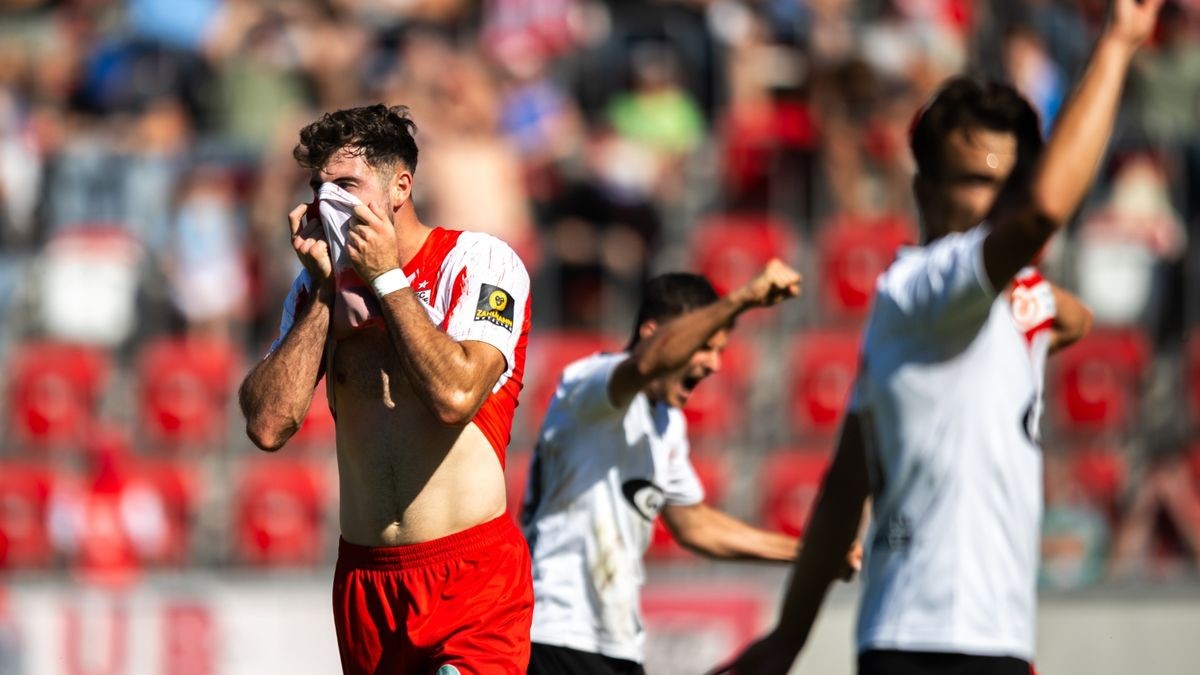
[{"x": 443, "y": 549}]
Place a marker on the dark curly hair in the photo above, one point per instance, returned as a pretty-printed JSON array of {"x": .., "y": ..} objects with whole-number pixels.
[
  {"x": 381, "y": 134},
  {"x": 965, "y": 103}
]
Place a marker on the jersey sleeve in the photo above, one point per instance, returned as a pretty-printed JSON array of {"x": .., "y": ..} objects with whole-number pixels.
[
  {"x": 297, "y": 296},
  {"x": 587, "y": 383},
  {"x": 949, "y": 286},
  {"x": 492, "y": 297},
  {"x": 683, "y": 486}
]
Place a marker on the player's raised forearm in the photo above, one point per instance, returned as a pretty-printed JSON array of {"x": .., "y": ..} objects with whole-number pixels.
[
  {"x": 674, "y": 343},
  {"x": 1081, "y": 134},
  {"x": 452, "y": 378},
  {"x": 1069, "y": 162},
  {"x": 276, "y": 394}
]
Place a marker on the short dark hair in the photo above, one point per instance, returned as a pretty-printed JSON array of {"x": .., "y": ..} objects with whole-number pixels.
[
  {"x": 669, "y": 295},
  {"x": 965, "y": 103},
  {"x": 382, "y": 135}
]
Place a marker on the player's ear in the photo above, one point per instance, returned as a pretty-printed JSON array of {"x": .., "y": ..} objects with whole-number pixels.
[
  {"x": 647, "y": 328},
  {"x": 400, "y": 187}
]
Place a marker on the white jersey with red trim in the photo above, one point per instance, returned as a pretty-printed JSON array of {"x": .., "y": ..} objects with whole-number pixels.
[
  {"x": 949, "y": 394},
  {"x": 474, "y": 287}
]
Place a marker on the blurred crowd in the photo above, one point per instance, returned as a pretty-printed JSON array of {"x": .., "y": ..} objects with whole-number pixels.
[{"x": 146, "y": 174}]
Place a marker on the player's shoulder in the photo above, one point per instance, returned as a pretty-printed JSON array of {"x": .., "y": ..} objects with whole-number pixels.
[
  {"x": 589, "y": 366},
  {"x": 482, "y": 247},
  {"x": 914, "y": 261}
]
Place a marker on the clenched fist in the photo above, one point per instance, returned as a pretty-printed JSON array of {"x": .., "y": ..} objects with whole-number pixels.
[
  {"x": 1132, "y": 21},
  {"x": 371, "y": 244},
  {"x": 774, "y": 284}
]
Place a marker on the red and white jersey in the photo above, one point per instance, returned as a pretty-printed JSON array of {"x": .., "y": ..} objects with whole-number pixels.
[{"x": 474, "y": 287}]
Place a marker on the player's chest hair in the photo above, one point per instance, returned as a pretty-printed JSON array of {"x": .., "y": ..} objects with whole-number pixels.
[{"x": 365, "y": 365}]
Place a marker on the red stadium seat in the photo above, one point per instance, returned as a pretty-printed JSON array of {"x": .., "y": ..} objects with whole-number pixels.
[
  {"x": 1102, "y": 473},
  {"x": 279, "y": 512},
  {"x": 24, "y": 497},
  {"x": 791, "y": 480},
  {"x": 184, "y": 388},
  {"x": 52, "y": 392},
  {"x": 731, "y": 249},
  {"x": 1094, "y": 385},
  {"x": 823, "y": 367},
  {"x": 853, "y": 254},
  {"x": 548, "y": 354},
  {"x": 713, "y": 472},
  {"x": 178, "y": 486}
]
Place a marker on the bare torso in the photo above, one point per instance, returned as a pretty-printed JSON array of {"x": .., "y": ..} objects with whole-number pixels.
[{"x": 404, "y": 477}]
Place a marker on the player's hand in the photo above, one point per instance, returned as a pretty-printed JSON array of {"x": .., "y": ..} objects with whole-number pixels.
[
  {"x": 308, "y": 241},
  {"x": 371, "y": 244},
  {"x": 774, "y": 284},
  {"x": 853, "y": 562},
  {"x": 768, "y": 656},
  {"x": 1131, "y": 22}
]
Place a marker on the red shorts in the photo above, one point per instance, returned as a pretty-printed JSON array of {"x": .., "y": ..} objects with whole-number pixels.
[{"x": 464, "y": 601}]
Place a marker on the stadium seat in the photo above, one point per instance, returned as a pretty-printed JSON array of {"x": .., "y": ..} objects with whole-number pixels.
[
  {"x": 52, "y": 393},
  {"x": 1102, "y": 473},
  {"x": 791, "y": 482},
  {"x": 853, "y": 253},
  {"x": 1094, "y": 385},
  {"x": 184, "y": 388},
  {"x": 24, "y": 497},
  {"x": 279, "y": 512},
  {"x": 178, "y": 486},
  {"x": 731, "y": 249},
  {"x": 713, "y": 472},
  {"x": 548, "y": 354},
  {"x": 823, "y": 367}
]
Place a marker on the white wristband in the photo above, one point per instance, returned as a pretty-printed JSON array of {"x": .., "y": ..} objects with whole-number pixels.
[{"x": 389, "y": 282}]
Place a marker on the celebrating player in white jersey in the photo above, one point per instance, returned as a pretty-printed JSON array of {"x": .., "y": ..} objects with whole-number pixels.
[
  {"x": 611, "y": 456},
  {"x": 942, "y": 428}
]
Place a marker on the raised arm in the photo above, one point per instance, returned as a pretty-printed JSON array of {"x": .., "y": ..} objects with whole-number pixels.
[
  {"x": 831, "y": 531},
  {"x": 674, "y": 343},
  {"x": 277, "y": 392},
  {"x": 1072, "y": 154},
  {"x": 453, "y": 377}
]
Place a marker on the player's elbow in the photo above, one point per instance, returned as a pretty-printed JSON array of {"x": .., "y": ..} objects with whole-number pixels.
[
  {"x": 456, "y": 408},
  {"x": 269, "y": 434},
  {"x": 1050, "y": 210}
]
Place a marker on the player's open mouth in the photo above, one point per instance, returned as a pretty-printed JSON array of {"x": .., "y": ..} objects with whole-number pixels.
[{"x": 691, "y": 382}]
